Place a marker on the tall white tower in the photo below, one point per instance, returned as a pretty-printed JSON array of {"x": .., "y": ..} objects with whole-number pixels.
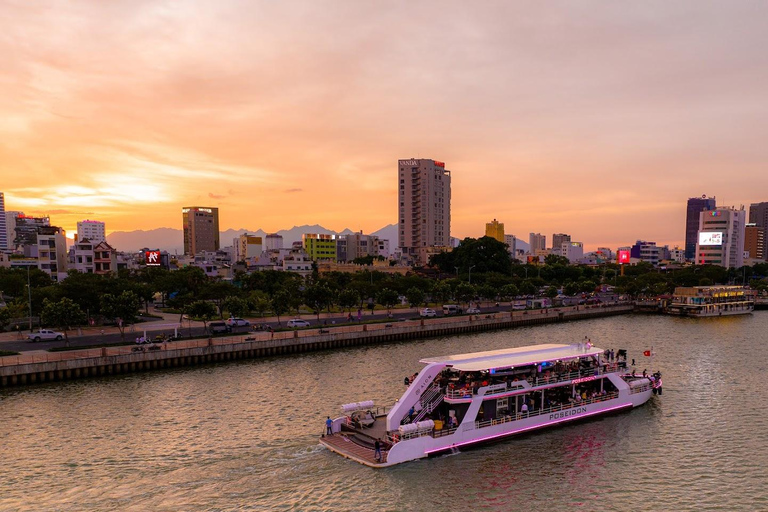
[
  {"x": 93, "y": 230},
  {"x": 424, "y": 206}
]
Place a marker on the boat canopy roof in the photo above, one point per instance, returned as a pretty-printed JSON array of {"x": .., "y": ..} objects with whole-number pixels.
[{"x": 512, "y": 357}]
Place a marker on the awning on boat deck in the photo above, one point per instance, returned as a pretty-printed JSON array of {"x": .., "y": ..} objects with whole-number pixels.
[{"x": 512, "y": 357}]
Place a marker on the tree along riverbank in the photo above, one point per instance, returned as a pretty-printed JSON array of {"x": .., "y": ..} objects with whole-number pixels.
[{"x": 61, "y": 366}]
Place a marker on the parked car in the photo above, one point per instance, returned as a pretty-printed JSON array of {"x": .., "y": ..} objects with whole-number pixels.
[
  {"x": 429, "y": 312},
  {"x": 473, "y": 311},
  {"x": 298, "y": 322},
  {"x": 518, "y": 307},
  {"x": 45, "y": 335},
  {"x": 237, "y": 322},
  {"x": 219, "y": 328}
]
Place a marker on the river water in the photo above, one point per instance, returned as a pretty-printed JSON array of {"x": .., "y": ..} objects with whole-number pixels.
[{"x": 243, "y": 435}]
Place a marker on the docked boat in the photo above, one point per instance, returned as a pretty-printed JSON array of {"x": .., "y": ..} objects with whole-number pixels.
[
  {"x": 707, "y": 301},
  {"x": 466, "y": 399}
]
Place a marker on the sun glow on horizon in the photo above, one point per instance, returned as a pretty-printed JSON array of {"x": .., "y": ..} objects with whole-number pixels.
[{"x": 266, "y": 111}]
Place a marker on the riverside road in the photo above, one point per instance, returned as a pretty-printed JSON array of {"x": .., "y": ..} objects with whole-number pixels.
[{"x": 170, "y": 325}]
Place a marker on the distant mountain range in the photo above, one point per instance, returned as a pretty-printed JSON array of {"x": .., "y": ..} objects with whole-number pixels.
[{"x": 172, "y": 240}]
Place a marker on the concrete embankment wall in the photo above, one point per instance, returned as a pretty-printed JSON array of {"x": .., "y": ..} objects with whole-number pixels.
[{"x": 60, "y": 366}]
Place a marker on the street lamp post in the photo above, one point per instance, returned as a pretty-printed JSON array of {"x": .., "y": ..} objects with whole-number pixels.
[
  {"x": 457, "y": 272},
  {"x": 29, "y": 292},
  {"x": 470, "y": 273}
]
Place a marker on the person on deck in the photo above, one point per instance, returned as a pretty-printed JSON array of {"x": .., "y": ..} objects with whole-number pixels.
[
  {"x": 377, "y": 450},
  {"x": 329, "y": 426}
]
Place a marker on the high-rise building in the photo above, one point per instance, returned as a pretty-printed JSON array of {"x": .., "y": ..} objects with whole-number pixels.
[
  {"x": 383, "y": 249},
  {"x": 356, "y": 245},
  {"x": 537, "y": 242},
  {"x": 495, "y": 230},
  {"x": 721, "y": 237},
  {"x": 248, "y": 246},
  {"x": 605, "y": 253},
  {"x": 754, "y": 241},
  {"x": 574, "y": 251},
  {"x": 93, "y": 230},
  {"x": 424, "y": 206},
  {"x": 201, "y": 229},
  {"x": 10, "y": 227},
  {"x": 273, "y": 242},
  {"x": 558, "y": 239},
  {"x": 51, "y": 248},
  {"x": 511, "y": 241},
  {"x": 677, "y": 254},
  {"x": 27, "y": 228},
  {"x": 758, "y": 215},
  {"x": 319, "y": 247},
  {"x": 5, "y": 244},
  {"x": 646, "y": 251},
  {"x": 695, "y": 206}
]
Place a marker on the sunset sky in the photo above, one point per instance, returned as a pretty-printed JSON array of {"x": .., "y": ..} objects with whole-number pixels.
[{"x": 597, "y": 119}]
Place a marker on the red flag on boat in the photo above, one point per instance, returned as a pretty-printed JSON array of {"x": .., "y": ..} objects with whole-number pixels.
[{"x": 647, "y": 353}]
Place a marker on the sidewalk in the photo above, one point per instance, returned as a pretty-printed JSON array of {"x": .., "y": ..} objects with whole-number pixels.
[{"x": 170, "y": 321}]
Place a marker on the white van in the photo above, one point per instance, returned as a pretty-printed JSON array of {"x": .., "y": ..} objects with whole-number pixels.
[{"x": 451, "y": 309}]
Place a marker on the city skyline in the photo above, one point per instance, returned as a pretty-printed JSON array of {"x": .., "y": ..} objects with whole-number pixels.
[{"x": 264, "y": 112}]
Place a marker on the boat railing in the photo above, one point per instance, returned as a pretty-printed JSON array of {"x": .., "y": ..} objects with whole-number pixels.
[
  {"x": 546, "y": 410},
  {"x": 641, "y": 388},
  {"x": 456, "y": 393},
  {"x": 395, "y": 436},
  {"x": 495, "y": 389}
]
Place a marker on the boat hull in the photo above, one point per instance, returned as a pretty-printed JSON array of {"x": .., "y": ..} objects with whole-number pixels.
[
  {"x": 694, "y": 313},
  {"x": 470, "y": 435}
]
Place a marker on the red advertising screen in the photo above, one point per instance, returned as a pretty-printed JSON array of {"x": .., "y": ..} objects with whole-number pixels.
[
  {"x": 152, "y": 258},
  {"x": 623, "y": 257}
]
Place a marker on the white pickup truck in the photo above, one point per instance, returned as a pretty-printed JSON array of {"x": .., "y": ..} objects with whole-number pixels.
[{"x": 45, "y": 335}]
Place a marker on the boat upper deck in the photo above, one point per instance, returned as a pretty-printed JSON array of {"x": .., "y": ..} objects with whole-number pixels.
[
  {"x": 515, "y": 357},
  {"x": 721, "y": 293}
]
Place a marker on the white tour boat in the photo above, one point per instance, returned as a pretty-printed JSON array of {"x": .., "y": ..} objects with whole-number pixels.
[
  {"x": 705, "y": 301},
  {"x": 466, "y": 399}
]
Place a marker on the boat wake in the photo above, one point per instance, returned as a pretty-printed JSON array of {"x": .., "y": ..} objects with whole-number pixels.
[{"x": 454, "y": 451}]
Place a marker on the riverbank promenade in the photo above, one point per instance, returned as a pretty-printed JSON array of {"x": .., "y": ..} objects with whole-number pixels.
[{"x": 40, "y": 366}]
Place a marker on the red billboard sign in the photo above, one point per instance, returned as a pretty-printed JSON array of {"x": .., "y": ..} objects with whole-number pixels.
[
  {"x": 152, "y": 258},
  {"x": 623, "y": 257}
]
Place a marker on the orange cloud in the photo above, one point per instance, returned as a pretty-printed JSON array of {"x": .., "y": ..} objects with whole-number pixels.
[{"x": 584, "y": 118}]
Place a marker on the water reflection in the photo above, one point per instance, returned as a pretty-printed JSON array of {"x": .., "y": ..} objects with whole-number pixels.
[{"x": 244, "y": 435}]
